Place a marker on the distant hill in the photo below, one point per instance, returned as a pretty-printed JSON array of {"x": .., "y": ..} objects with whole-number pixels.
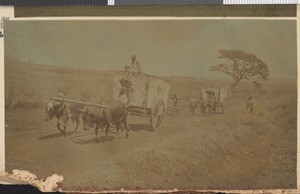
[{"x": 26, "y": 82}]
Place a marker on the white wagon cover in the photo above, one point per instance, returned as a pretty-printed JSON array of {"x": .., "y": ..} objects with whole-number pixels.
[{"x": 146, "y": 90}]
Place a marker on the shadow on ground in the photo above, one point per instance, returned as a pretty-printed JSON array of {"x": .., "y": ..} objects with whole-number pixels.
[
  {"x": 140, "y": 127},
  {"x": 55, "y": 135},
  {"x": 101, "y": 139}
]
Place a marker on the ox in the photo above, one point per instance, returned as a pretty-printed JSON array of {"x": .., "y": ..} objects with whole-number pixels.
[
  {"x": 193, "y": 103},
  {"x": 103, "y": 117},
  {"x": 62, "y": 112}
]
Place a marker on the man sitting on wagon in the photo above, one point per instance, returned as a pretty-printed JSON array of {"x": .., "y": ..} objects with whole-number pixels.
[{"x": 133, "y": 68}]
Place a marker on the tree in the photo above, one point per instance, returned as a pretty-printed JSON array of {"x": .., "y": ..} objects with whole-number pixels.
[{"x": 242, "y": 66}]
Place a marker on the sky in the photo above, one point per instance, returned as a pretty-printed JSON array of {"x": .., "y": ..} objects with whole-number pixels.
[{"x": 162, "y": 47}]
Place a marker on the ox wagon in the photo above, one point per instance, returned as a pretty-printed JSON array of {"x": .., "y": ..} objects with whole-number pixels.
[
  {"x": 220, "y": 96},
  {"x": 147, "y": 94}
]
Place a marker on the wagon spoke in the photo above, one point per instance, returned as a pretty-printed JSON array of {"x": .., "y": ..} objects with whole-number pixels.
[
  {"x": 158, "y": 122},
  {"x": 156, "y": 126},
  {"x": 154, "y": 119}
]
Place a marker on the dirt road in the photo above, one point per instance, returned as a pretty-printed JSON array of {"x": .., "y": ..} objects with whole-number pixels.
[{"x": 233, "y": 151}]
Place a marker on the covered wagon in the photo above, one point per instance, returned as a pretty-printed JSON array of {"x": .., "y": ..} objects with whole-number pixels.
[
  {"x": 213, "y": 99},
  {"x": 147, "y": 94}
]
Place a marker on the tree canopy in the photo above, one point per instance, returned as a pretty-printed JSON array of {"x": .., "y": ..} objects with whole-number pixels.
[{"x": 242, "y": 66}]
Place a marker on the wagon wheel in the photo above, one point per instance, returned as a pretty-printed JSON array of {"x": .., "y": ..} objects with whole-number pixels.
[{"x": 157, "y": 115}]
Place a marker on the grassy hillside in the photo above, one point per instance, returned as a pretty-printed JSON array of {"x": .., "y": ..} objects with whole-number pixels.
[{"x": 25, "y": 83}]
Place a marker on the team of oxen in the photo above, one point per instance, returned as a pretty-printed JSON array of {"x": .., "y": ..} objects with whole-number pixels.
[{"x": 98, "y": 117}]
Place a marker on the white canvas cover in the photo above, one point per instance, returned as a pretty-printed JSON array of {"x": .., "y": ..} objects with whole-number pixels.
[
  {"x": 145, "y": 90},
  {"x": 223, "y": 95},
  {"x": 138, "y": 91},
  {"x": 158, "y": 90}
]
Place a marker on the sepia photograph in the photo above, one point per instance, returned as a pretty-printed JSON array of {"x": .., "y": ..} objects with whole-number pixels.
[{"x": 153, "y": 103}]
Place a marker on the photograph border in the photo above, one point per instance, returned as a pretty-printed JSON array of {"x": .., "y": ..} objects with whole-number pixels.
[{"x": 8, "y": 11}]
